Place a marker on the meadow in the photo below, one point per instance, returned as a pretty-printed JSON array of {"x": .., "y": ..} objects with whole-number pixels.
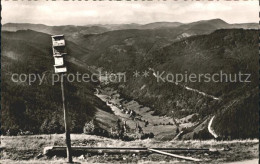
[{"x": 29, "y": 149}]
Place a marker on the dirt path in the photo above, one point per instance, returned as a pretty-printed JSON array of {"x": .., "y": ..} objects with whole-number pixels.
[
  {"x": 210, "y": 129},
  {"x": 188, "y": 88}
]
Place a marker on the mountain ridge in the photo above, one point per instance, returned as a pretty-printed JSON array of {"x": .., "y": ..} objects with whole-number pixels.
[{"x": 108, "y": 27}]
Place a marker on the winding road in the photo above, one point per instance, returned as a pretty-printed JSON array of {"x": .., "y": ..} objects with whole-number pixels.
[{"x": 210, "y": 129}]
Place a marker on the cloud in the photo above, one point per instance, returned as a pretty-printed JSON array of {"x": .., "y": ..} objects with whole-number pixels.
[{"x": 117, "y": 12}]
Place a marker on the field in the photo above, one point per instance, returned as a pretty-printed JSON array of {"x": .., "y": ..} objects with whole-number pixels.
[{"x": 29, "y": 149}]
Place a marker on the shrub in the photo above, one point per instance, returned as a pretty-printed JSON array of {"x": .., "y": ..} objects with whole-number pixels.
[{"x": 89, "y": 127}]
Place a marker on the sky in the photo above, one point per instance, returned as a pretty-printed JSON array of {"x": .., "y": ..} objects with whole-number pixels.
[{"x": 123, "y": 12}]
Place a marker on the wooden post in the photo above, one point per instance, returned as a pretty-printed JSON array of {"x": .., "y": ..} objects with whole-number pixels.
[
  {"x": 66, "y": 124},
  {"x": 59, "y": 67}
]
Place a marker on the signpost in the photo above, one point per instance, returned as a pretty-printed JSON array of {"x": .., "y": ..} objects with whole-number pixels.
[{"x": 58, "y": 45}]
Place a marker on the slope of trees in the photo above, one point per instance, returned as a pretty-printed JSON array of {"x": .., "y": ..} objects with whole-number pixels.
[
  {"x": 38, "y": 108},
  {"x": 228, "y": 50}
]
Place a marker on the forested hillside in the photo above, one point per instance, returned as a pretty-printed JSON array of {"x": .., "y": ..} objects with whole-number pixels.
[
  {"x": 38, "y": 108},
  {"x": 228, "y": 50}
]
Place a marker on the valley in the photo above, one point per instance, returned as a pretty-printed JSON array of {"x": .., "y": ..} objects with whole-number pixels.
[
  {"x": 139, "y": 111},
  {"x": 157, "y": 48},
  {"x": 162, "y": 127}
]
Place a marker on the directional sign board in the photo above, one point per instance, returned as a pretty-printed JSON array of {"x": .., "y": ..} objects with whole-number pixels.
[
  {"x": 58, "y": 40},
  {"x": 58, "y": 60},
  {"x": 59, "y": 51},
  {"x": 58, "y": 47},
  {"x": 60, "y": 69}
]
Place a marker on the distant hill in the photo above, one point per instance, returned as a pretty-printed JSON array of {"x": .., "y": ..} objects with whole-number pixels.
[
  {"x": 68, "y": 30},
  {"x": 157, "y": 25},
  {"x": 142, "y": 41},
  {"x": 170, "y": 31},
  {"x": 208, "y": 26},
  {"x": 112, "y": 27},
  {"x": 154, "y": 25},
  {"x": 212, "y": 24},
  {"x": 217, "y": 23},
  {"x": 245, "y": 26}
]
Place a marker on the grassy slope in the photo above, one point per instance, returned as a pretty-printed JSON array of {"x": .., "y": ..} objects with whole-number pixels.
[{"x": 28, "y": 147}]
